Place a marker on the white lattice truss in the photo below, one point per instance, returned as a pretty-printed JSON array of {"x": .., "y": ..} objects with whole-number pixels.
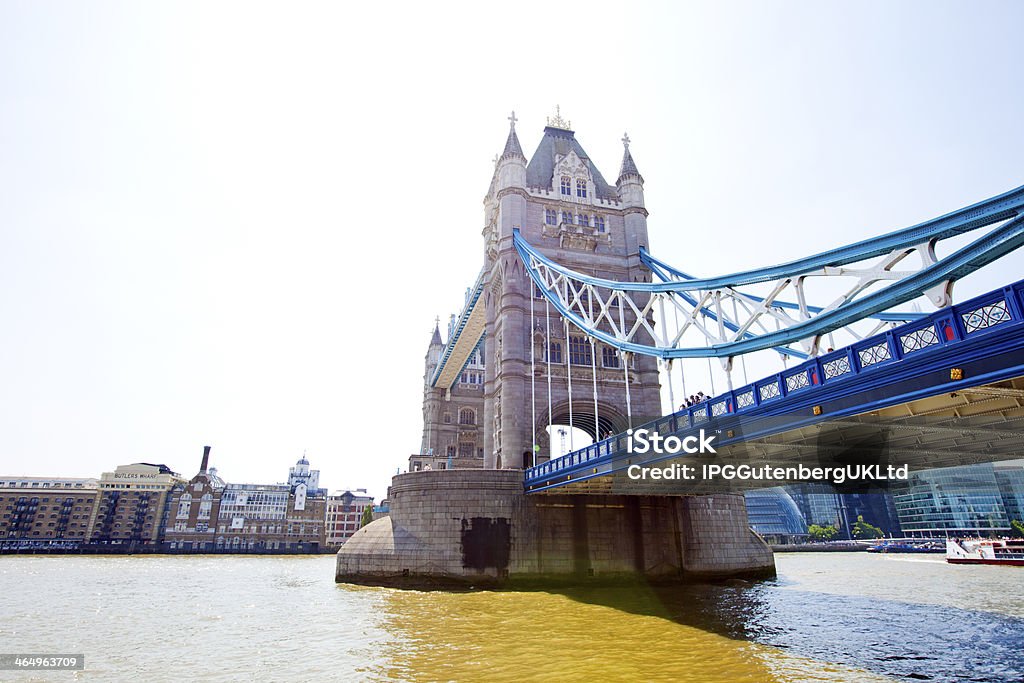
[
  {"x": 653, "y": 318},
  {"x": 720, "y": 316}
]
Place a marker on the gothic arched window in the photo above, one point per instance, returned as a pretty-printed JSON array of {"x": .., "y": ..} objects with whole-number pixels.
[
  {"x": 566, "y": 188},
  {"x": 599, "y": 223},
  {"x": 551, "y": 217},
  {"x": 583, "y": 219},
  {"x": 581, "y": 188},
  {"x": 555, "y": 352},
  {"x": 467, "y": 417},
  {"x": 579, "y": 351},
  {"x": 567, "y": 217}
]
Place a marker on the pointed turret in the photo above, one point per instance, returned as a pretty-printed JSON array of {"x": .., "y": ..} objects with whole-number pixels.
[
  {"x": 630, "y": 183},
  {"x": 436, "y": 339},
  {"x": 630, "y": 186},
  {"x": 512, "y": 147},
  {"x": 628, "y": 169},
  {"x": 510, "y": 167}
]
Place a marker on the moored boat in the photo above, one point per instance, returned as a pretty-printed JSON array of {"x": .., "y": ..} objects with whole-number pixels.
[
  {"x": 985, "y": 551},
  {"x": 906, "y": 547}
]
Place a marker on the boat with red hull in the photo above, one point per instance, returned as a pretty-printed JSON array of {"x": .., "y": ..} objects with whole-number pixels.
[{"x": 985, "y": 551}]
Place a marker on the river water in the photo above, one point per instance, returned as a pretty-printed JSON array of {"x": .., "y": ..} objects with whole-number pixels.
[{"x": 828, "y": 617}]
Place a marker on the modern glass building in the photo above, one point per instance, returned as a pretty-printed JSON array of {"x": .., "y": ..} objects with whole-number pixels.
[
  {"x": 953, "y": 501},
  {"x": 1010, "y": 480},
  {"x": 773, "y": 514},
  {"x": 818, "y": 503}
]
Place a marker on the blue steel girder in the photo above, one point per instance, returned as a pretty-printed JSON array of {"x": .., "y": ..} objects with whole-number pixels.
[
  {"x": 977, "y": 342},
  {"x": 622, "y": 314}
]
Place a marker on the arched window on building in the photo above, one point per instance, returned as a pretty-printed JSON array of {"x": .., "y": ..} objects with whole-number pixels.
[
  {"x": 184, "y": 503},
  {"x": 467, "y": 416},
  {"x": 581, "y": 188},
  {"x": 554, "y": 352},
  {"x": 579, "y": 351},
  {"x": 566, "y": 185},
  {"x": 583, "y": 219},
  {"x": 599, "y": 223},
  {"x": 551, "y": 217},
  {"x": 205, "y": 503}
]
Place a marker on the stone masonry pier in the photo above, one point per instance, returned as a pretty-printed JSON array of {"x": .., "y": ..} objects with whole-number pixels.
[{"x": 477, "y": 528}]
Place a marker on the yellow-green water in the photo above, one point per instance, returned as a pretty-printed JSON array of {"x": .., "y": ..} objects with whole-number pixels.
[
  {"x": 557, "y": 637},
  {"x": 828, "y": 617}
]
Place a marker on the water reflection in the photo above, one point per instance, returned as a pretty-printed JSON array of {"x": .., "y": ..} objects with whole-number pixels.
[{"x": 889, "y": 637}]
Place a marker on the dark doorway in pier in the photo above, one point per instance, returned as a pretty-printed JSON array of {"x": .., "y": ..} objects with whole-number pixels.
[{"x": 486, "y": 542}]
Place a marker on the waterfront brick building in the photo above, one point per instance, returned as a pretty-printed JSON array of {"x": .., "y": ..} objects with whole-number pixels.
[
  {"x": 131, "y": 510},
  {"x": 344, "y": 514},
  {"x": 194, "y": 510},
  {"x": 39, "y": 513},
  {"x": 146, "y": 507},
  {"x": 208, "y": 514}
]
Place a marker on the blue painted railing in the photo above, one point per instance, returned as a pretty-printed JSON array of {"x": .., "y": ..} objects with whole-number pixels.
[{"x": 996, "y": 311}]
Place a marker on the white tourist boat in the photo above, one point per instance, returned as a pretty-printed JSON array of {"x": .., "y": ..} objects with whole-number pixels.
[{"x": 985, "y": 551}]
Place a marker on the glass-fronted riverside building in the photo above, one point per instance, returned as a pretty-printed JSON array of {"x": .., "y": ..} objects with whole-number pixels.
[
  {"x": 953, "y": 501},
  {"x": 1010, "y": 479},
  {"x": 775, "y": 516},
  {"x": 819, "y": 503}
]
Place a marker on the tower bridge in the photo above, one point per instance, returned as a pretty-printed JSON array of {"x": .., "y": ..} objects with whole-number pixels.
[{"x": 573, "y": 321}]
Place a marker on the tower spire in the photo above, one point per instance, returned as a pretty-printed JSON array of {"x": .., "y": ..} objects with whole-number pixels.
[
  {"x": 512, "y": 147},
  {"x": 628, "y": 167},
  {"x": 436, "y": 339}
]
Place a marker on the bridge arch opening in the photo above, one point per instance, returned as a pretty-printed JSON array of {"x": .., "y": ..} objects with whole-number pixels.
[{"x": 565, "y": 435}]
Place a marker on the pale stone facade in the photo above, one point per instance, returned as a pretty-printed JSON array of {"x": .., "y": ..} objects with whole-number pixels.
[
  {"x": 562, "y": 205},
  {"x": 452, "y": 421},
  {"x": 476, "y": 526}
]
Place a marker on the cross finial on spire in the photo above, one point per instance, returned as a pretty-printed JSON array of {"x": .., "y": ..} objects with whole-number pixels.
[
  {"x": 513, "y": 119},
  {"x": 495, "y": 159},
  {"x": 625, "y": 140}
]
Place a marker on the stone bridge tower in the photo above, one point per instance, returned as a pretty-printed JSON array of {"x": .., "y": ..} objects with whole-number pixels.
[{"x": 562, "y": 205}]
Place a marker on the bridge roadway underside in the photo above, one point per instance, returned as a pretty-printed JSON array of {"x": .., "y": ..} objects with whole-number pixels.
[{"x": 962, "y": 427}]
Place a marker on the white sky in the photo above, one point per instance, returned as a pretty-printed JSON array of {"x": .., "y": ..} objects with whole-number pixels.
[{"x": 233, "y": 224}]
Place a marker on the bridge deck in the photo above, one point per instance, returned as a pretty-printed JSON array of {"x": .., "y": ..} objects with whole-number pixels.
[{"x": 958, "y": 358}]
